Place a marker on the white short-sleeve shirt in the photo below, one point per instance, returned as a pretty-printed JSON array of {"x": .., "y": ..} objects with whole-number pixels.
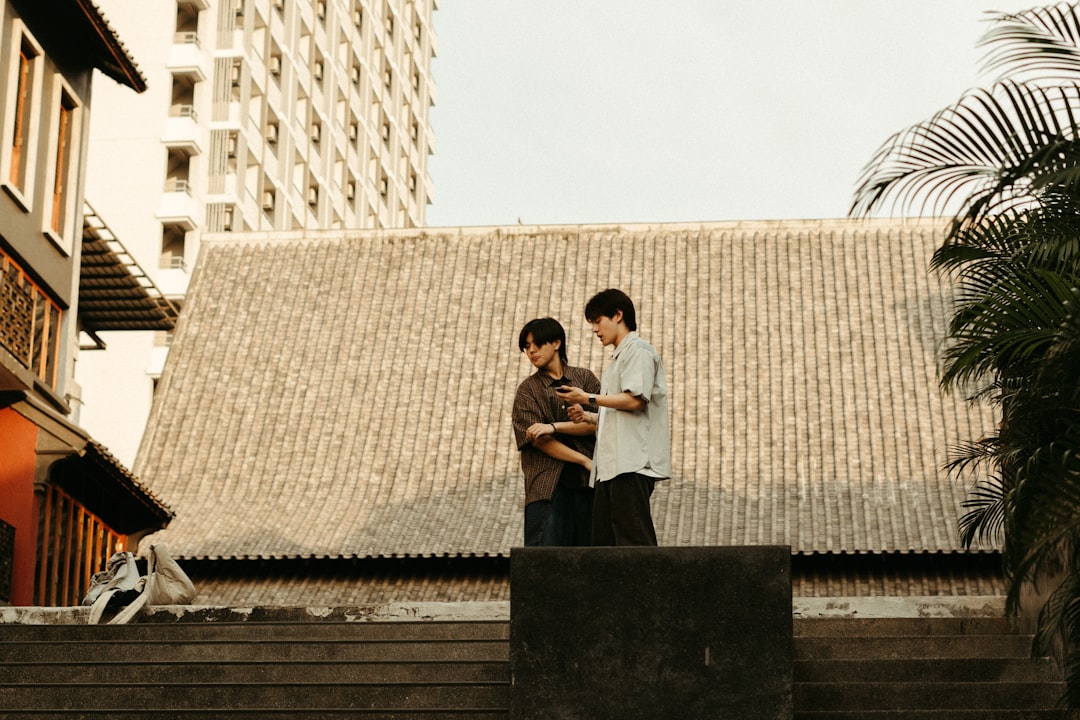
[{"x": 639, "y": 441}]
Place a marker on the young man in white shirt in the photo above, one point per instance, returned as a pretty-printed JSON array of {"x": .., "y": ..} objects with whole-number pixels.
[{"x": 633, "y": 433}]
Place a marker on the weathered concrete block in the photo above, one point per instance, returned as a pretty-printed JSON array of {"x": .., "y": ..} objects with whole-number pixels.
[{"x": 622, "y": 633}]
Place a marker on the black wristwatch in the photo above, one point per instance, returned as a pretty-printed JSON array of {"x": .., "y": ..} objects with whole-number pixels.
[{"x": 592, "y": 399}]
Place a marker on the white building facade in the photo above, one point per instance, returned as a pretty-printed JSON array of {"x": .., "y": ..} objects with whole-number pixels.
[{"x": 260, "y": 115}]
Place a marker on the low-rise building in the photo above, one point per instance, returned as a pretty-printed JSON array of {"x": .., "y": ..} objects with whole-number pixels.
[{"x": 65, "y": 502}]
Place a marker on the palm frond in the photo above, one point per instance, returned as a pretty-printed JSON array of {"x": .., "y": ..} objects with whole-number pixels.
[
  {"x": 1003, "y": 321},
  {"x": 1004, "y": 164},
  {"x": 985, "y": 519},
  {"x": 1040, "y": 42},
  {"x": 967, "y": 456},
  {"x": 984, "y": 154}
]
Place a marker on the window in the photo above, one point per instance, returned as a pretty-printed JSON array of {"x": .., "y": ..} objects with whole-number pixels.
[
  {"x": 62, "y": 203},
  {"x": 17, "y": 175},
  {"x": 18, "y": 130}
]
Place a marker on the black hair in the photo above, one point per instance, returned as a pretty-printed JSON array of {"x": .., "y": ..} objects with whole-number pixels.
[
  {"x": 608, "y": 302},
  {"x": 544, "y": 331}
]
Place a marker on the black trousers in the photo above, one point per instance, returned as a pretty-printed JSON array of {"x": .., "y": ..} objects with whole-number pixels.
[
  {"x": 564, "y": 520},
  {"x": 621, "y": 512}
]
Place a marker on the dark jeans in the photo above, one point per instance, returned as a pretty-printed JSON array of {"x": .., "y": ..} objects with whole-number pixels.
[
  {"x": 565, "y": 520},
  {"x": 621, "y": 512}
]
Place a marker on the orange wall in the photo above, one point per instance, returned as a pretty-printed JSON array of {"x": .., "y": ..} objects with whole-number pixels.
[{"x": 18, "y": 452}]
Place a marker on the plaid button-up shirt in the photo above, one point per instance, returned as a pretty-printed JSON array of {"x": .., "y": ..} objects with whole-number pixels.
[{"x": 536, "y": 402}]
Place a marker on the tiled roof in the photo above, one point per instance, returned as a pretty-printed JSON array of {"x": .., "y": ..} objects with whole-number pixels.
[
  {"x": 347, "y": 393},
  {"x": 339, "y": 583}
]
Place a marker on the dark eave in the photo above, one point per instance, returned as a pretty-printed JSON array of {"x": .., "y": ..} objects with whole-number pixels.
[
  {"x": 112, "y": 57},
  {"x": 88, "y": 472},
  {"x": 78, "y": 26},
  {"x": 108, "y": 489},
  {"x": 114, "y": 292}
]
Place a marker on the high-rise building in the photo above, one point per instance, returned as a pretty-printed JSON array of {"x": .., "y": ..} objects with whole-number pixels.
[{"x": 260, "y": 115}]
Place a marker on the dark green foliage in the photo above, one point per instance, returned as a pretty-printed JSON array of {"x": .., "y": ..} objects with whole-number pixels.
[{"x": 1004, "y": 164}]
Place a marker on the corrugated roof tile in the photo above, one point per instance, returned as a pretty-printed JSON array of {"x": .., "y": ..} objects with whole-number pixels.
[{"x": 347, "y": 394}]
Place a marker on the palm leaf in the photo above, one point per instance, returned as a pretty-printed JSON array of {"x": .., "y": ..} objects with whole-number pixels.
[
  {"x": 985, "y": 153},
  {"x": 1004, "y": 163},
  {"x": 985, "y": 519},
  {"x": 1040, "y": 42},
  {"x": 1003, "y": 321}
]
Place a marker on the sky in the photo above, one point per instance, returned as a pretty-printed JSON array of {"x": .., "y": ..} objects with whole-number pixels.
[{"x": 641, "y": 111}]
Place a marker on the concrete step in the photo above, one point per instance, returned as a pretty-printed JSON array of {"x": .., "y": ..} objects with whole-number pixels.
[
  {"x": 203, "y": 671},
  {"x": 920, "y": 668},
  {"x": 307, "y": 695},
  {"x": 878, "y": 696},
  {"x": 412, "y": 670},
  {"x": 255, "y": 651},
  {"x": 250, "y": 631},
  {"x": 927, "y": 670},
  {"x": 931, "y": 715},
  {"x": 874, "y": 626},
  {"x": 259, "y": 713},
  {"x": 846, "y": 668},
  {"x": 870, "y": 647}
]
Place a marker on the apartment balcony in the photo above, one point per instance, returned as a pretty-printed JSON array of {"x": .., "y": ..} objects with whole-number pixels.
[
  {"x": 182, "y": 130},
  {"x": 178, "y": 205},
  {"x": 173, "y": 276},
  {"x": 186, "y": 57}
]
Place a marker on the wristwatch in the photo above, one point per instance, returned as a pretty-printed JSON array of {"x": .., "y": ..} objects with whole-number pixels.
[{"x": 592, "y": 399}]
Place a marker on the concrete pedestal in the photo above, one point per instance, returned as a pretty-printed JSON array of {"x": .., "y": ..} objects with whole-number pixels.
[{"x": 656, "y": 633}]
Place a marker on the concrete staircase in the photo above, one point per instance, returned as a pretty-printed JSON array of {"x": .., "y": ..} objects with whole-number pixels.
[
  {"x": 295, "y": 670},
  {"x": 295, "y": 664},
  {"x": 912, "y": 668}
]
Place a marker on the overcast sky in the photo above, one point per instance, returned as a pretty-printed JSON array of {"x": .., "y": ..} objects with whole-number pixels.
[{"x": 598, "y": 111}]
